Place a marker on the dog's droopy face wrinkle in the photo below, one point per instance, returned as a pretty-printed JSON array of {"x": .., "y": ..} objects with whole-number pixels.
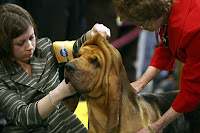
[
  {"x": 83, "y": 71},
  {"x": 95, "y": 62}
]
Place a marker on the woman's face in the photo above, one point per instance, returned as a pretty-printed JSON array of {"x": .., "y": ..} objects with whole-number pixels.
[
  {"x": 24, "y": 46},
  {"x": 152, "y": 25}
]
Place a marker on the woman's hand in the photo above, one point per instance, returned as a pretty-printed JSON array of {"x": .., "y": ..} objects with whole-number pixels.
[
  {"x": 48, "y": 103},
  {"x": 98, "y": 28},
  {"x": 65, "y": 90},
  {"x": 151, "y": 129},
  {"x": 149, "y": 74},
  {"x": 161, "y": 123},
  {"x": 137, "y": 86}
]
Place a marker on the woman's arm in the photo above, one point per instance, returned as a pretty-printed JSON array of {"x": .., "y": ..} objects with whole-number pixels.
[
  {"x": 161, "y": 123},
  {"x": 25, "y": 115},
  {"x": 67, "y": 50},
  {"x": 47, "y": 104},
  {"x": 149, "y": 74}
]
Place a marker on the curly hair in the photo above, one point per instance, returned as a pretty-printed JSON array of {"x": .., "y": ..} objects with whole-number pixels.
[
  {"x": 142, "y": 10},
  {"x": 14, "y": 21}
]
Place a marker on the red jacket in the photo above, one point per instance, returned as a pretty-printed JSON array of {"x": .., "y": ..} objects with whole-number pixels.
[{"x": 184, "y": 45}]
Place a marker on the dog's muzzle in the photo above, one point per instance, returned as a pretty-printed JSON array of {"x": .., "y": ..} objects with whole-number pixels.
[{"x": 69, "y": 68}]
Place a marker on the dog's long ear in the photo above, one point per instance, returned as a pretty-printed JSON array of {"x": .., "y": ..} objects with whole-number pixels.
[
  {"x": 113, "y": 103},
  {"x": 114, "y": 97},
  {"x": 72, "y": 102},
  {"x": 112, "y": 84}
]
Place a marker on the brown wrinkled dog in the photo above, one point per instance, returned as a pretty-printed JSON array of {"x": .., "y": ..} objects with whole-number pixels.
[{"x": 113, "y": 105}]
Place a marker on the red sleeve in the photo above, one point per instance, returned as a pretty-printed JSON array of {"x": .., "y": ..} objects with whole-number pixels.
[
  {"x": 163, "y": 58},
  {"x": 189, "y": 96}
]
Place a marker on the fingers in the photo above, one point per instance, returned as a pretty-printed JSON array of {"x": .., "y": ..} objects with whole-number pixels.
[
  {"x": 144, "y": 130},
  {"x": 66, "y": 89},
  {"x": 71, "y": 89},
  {"x": 100, "y": 28},
  {"x": 138, "y": 87},
  {"x": 103, "y": 30}
]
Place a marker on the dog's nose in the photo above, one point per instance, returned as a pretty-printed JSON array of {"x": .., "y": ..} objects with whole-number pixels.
[{"x": 70, "y": 67}]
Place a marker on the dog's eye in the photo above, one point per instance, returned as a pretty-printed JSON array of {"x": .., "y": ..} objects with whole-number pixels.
[
  {"x": 95, "y": 62},
  {"x": 78, "y": 55}
]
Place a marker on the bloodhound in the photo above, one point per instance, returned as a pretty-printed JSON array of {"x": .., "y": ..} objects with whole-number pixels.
[{"x": 113, "y": 105}]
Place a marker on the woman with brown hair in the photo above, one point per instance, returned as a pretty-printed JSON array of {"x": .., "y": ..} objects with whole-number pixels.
[{"x": 30, "y": 92}]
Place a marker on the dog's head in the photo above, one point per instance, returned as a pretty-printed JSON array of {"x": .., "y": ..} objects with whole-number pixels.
[
  {"x": 96, "y": 62},
  {"x": 96, "y": 72}
]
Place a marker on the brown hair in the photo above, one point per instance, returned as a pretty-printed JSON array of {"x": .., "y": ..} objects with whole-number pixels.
[
  {"x": 142, "y": 10},
  {"x": 14, "y": 21}
]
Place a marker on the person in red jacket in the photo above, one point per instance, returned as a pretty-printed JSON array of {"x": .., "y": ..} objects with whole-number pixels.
[{"x": 178, "y": 22}]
